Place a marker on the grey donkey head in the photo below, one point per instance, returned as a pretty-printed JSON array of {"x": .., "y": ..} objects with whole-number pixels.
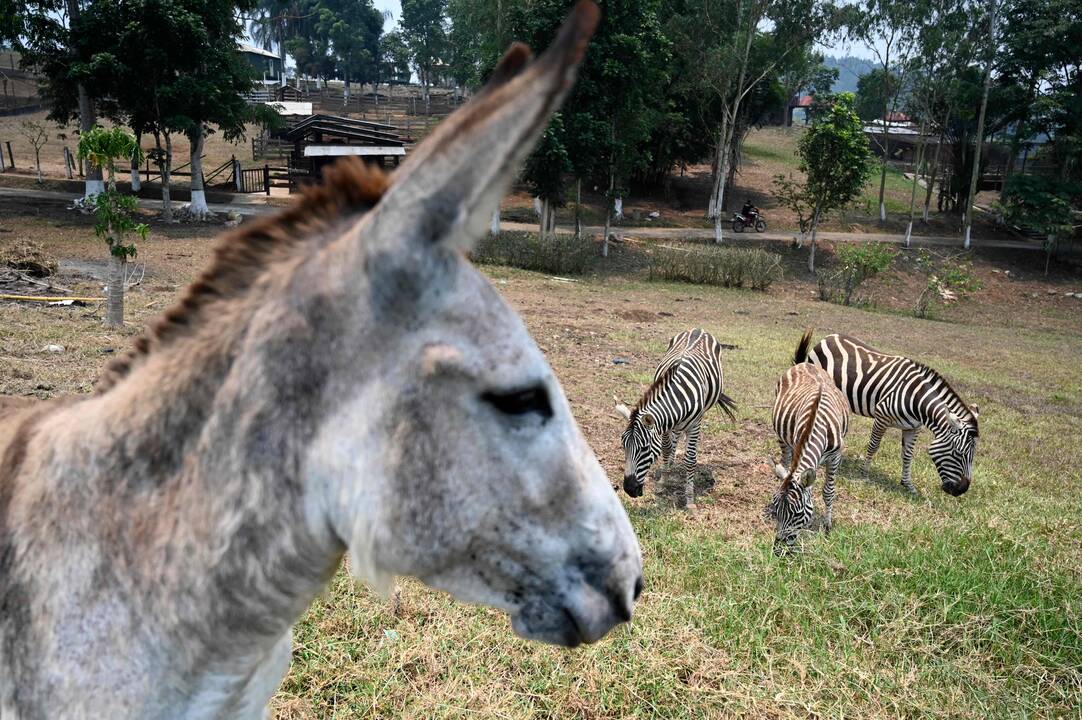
[{"x": 452, "y": 455}]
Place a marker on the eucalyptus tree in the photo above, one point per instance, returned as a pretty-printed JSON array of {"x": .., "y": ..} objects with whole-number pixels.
[
  {"x": 423, "y": 25},
  {"x": 353, "y": 29},
  {"x": 723, "y": 34},
  {"x": 891, "y": 30}
]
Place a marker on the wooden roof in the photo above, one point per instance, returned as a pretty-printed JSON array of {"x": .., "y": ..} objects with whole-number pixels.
[{"x": 349, "y": 130}]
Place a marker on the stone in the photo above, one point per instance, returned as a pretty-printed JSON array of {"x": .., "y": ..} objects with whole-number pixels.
[{"x": 55, "y": 349}]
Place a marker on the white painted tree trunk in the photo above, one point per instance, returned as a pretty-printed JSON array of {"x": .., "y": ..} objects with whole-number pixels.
[
  {"x": 197, "y": 208},
  {"x": 114, "y": 303},
  {"x": 618, "y": 208},
  {"x": 578, "y": 207},
  {"x": 136, "y": 181},
  {"x": 167, "y": 179},
  {"x": 811, "y": 249},
  {"x": 538, "y": 206},
  {"x": 494, "y": 226}
]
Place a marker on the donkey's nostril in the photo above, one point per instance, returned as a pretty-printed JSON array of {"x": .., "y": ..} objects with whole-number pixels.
[{"x": 638, "y": 589}]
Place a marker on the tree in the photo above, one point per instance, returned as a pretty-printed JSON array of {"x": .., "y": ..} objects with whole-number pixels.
[
  {"x": 51, "y": 39},
  {"x": 353, "y": 29},
  {"x": 1040, "y": 204},
  {"x": 971, "y": 197},
  {"x": 37, "y": 135},
  {"x": 394, "y": 58},
  {"x": 271, "y": 26},
  {"x": 834, "y": 158},
  {"x": 113, "y": 211},
  {"x": 544, "y": 171},
  {"x": 891, "y": 29},
  {"x": 731, "y": 64},
  {"x": 423, "y": 27},
  {"x": 873, "y": 93}
]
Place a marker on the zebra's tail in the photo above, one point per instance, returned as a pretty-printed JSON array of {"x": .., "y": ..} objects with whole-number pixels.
[
  {"x": 801, "y": 354},
  {"x": 727, "y": 406}
]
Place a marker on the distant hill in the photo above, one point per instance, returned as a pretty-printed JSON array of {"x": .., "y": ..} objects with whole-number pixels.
[{"x": 849, "y": 71}]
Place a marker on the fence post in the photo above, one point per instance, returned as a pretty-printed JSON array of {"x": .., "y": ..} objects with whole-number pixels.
[
  {"x": 266, "y": 178},
  {"x": 10, "y": 156},
  {"x": 3, "y": 165},
  {"x": 67, "y": 161}
]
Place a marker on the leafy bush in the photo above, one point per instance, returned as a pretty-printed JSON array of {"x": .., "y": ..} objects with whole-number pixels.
[
  {"x": 728, "y": 267},
  {"x": 950, "y": 281},
  {"x": 858, "y": 263},
  {"x": 557, "y": 254}
]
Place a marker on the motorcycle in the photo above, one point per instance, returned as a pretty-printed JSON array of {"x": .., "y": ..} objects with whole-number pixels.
[{"x": 753, "y": 219}]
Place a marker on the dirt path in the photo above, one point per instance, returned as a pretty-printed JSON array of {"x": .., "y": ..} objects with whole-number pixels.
[{"x": 256, "y": 205}]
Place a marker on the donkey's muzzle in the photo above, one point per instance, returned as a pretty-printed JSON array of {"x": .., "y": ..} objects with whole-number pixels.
[
  {"x": 956, "y": 488},
  {"x": 633, "y": 487}
]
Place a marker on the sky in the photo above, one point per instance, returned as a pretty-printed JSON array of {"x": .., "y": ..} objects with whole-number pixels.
[{"x": 394, "y": 7}]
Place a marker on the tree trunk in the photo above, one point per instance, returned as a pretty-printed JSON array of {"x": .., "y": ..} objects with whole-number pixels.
[
  {"x": 197, "y": 208},
  {"x": 578, "y": 208},
  {"x": 811, "y": 249},
  {"x": 913, "y": 189},
  {"x": 543, "y": 219},
  {"x": 87, "y": 119},
  {"x": 167, "y": 178},
  {"x": 932, "y": 177},
  {"x": 608, "y": 210},
  {"x": 114, "y": 312},
  {"x": 974, "y": 176},
  {"x": 136, "y": 181},
  {"x": 494, "y": 226},
  {"x": 37, "y": 163}
]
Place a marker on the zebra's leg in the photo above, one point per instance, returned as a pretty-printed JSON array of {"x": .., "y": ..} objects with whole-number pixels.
[
  {"x": 879, "y": 427},
  {"x": 833, "y": 462},
  {"x": 690, "y": 455},
  {"x": 668, "y": 449},
  {"x": 909, "y": 441}
]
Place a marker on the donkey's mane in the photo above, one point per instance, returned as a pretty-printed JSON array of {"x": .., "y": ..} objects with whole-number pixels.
[
  {"x": 806, "y": 431},
  {"x": 242, "y": 256}
]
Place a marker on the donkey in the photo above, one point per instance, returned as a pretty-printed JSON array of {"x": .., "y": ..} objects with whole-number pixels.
[{"x": 339, "y": 379}]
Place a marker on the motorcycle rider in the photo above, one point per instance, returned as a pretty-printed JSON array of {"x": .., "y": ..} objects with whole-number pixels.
[{"x": 749, "y": 211}]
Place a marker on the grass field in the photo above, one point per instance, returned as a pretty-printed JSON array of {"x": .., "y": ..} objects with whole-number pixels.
[{"x": 934, "y": 606}]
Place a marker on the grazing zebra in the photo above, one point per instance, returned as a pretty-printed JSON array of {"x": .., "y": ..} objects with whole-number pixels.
[
  {"x": 897, "y": 392},
  {"x": 811, "y": 417},
  {"x": 687, "y": 383}
]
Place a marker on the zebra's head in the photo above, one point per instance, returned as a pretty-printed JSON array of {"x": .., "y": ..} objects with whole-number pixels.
[
  {"x": 791, "y": 507},
  {"x": 642, "y": 445},
  {"x": 953, "y": 451}
]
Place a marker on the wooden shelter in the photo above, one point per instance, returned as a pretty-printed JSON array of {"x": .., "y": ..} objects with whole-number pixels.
[{"x": 319, "y": 140}]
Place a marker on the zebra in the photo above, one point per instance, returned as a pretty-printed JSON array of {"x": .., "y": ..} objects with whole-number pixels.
[
  {"x": 897, "y": 392},
  {"x": 687, "y": 383},
  {"x": 810, "y": 417}
]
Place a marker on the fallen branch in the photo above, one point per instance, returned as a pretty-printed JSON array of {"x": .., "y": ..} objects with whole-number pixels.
[
  {"x": 39, "y": 298},
  {"x": 35, "y": 281}
]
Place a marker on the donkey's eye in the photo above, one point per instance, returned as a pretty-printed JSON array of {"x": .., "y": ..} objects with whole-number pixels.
[{"x": 521, "y": 402}]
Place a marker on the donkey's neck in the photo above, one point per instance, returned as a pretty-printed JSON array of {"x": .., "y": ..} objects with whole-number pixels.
[{"x": 198, "y": 468}]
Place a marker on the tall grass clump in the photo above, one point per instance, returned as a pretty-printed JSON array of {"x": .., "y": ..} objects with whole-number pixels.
[
  {"x": 727, "y": 267},
  {"x": 557, "y": 254},
  {"x": 857, "y": 263}
]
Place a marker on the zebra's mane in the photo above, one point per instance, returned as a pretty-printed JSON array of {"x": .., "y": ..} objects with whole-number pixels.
[
  {"x": 931, "y": 374},
  {"x": 656, "y": 387},
  {"x": 805, "y": 433}
]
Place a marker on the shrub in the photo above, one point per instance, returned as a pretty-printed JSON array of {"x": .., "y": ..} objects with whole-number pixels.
[
  {"x": 858, "y": 262},
  {"x": 557, "y": 254},
  {"x": 728, "y": 267},
  {"x": 952, "y": 280}
]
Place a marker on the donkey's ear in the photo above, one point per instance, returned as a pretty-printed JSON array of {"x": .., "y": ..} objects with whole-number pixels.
[{"x": 447, "y": 188}]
